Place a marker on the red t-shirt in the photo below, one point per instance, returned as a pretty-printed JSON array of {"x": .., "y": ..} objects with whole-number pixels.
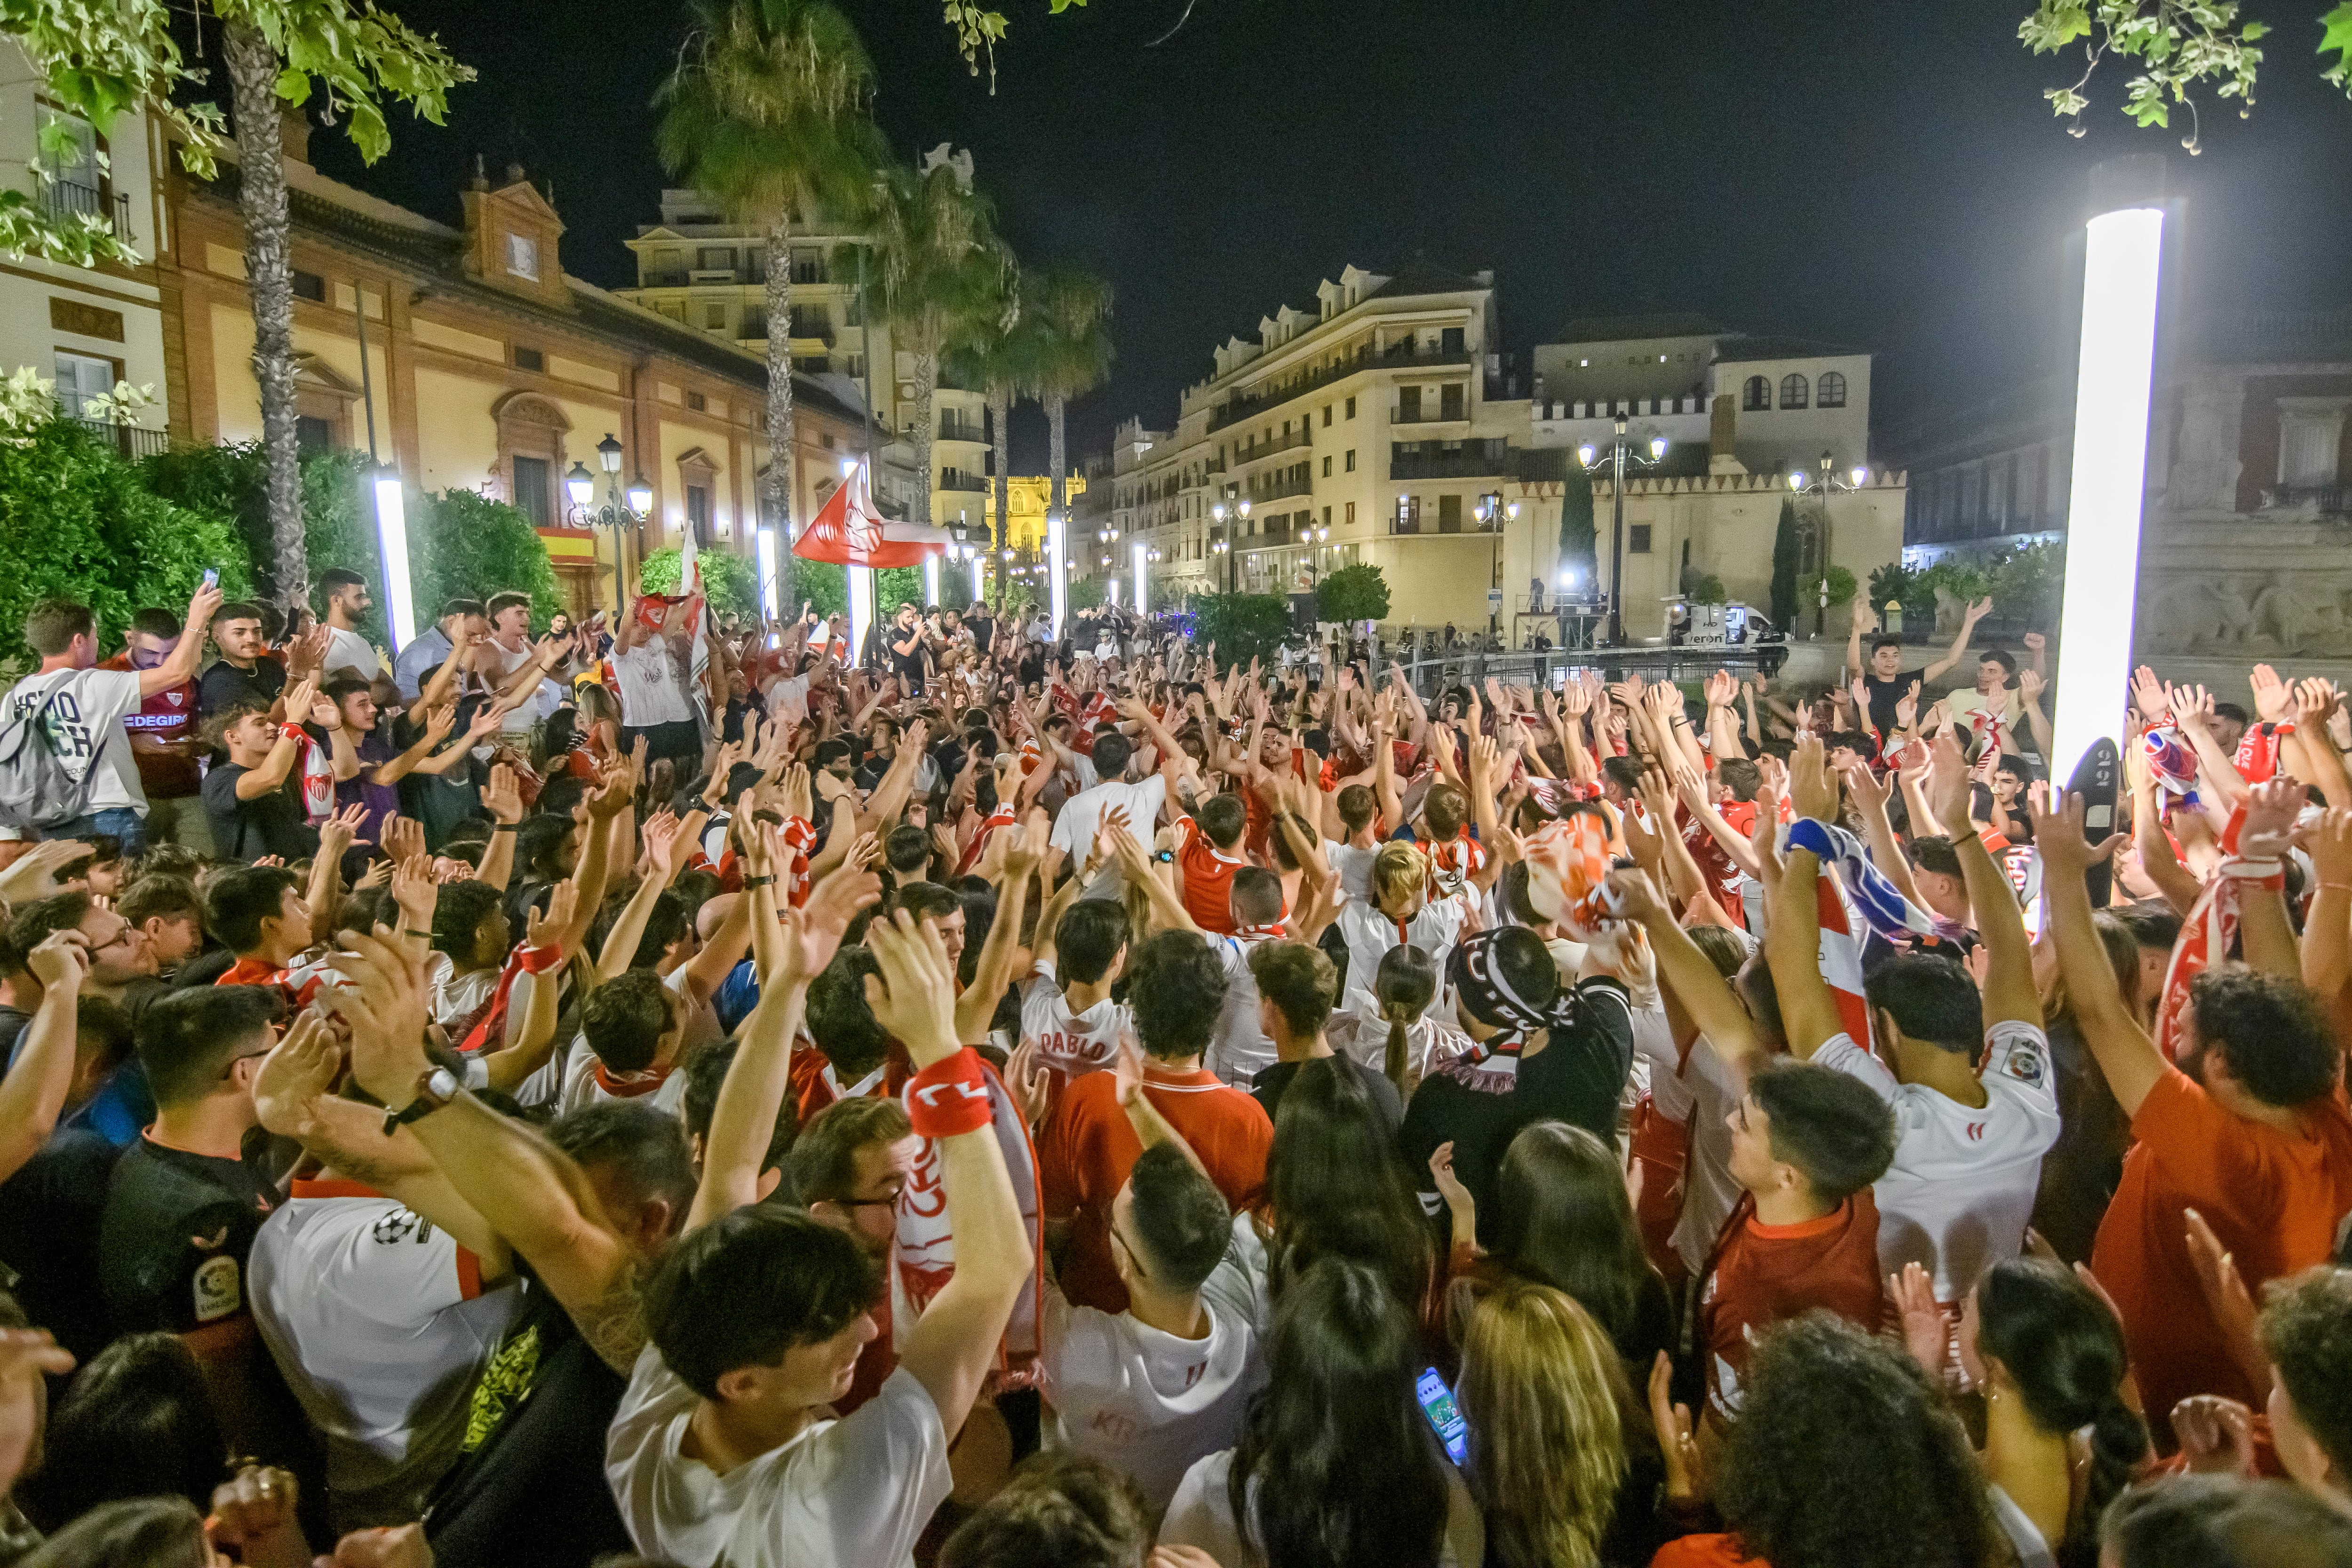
[
  {"x": 2274, "y": 1199},
  {"x": 169, "y": 715},
  {"x": 1704, "y": 1551},
  {"x": 1087, "y": 1148},
  {"x": 1208, "y": 878},
  {"x": 810, "y": 1084},
  {"x": 1760, "y": 1274}
]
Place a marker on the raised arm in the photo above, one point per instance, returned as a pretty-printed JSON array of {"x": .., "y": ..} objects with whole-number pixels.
[
  {"x": 1878, "y": 829},
  {"x": 32, "y": 1094},
  {"x": 2127, "y": 1057},
  {"x": 953, "y": 1346},
  {"x": 2327, "y": 924},
  {"x": 2314, "y": 705},
  {"x": 2010, "y": 994},
  {"x": 179, "y": 667},
  {"x": 2263, "y": 925},
  {"x": 1686, "y": 972},
  {"x": 502, "y": 798},
  {"x": 992, "y": 971},
  {"x": 1792, "y": 927},
  {"x": 1975, "y": 613}
]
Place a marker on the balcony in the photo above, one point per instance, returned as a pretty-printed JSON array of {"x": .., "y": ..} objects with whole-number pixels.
[
  {"x": 1422, "y": 413},
  {"x": 128, "y": 440},
  {"x": 1483, "y": 460},
  {"x": 2320, "y": 500},
  {"x": 662, "y": 279},
  {"x": 962, "y": 430},
  {"x": 1398, "y": 355},
  {"x": 1303, "y": 436},
  {"x": 1282, "y": 489},
  {"x": 954, "y": 479},
  {"x": 65, "y": 199}
]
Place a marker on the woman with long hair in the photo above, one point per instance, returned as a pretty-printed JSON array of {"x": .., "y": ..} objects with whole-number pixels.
[
  {"x": 1563, "y": 1219},
  {"x": 2049, "y": 1355},
  {"x": 1543, "y": 1396},
  {"x": 1336, "y": 1187},
  {"x": 1843, "y": 1456},
  {"x": 1336, "y": 1467}
]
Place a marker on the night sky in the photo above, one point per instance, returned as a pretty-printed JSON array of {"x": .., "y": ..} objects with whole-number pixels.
[{"x": 1886, "y": 175}]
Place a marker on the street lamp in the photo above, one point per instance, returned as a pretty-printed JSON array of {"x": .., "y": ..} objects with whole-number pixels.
[
  {"x": 1493, "y": 513},
  {"x": 1825, "y": 483},
  {"x": 621, "y": 511},
  {"x": 1621, "y": 452},
  {"x": 1240, "y": 512}
]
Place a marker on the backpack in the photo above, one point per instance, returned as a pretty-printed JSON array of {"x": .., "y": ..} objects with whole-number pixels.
[{"x": 36, "y": 791}]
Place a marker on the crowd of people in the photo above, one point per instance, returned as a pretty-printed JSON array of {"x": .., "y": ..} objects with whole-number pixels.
[{"x": 674, "y": 1093}]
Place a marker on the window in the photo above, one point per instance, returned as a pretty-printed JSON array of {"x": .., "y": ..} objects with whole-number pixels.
[
  {"x": 1327, "y": 516},
  {"x": 1830, "y": 391},
  {"x": 310, "y": 286},
  {"x": 1407, "y": 405},
  {"x": 529, "y": 359},
  {"x": 828, "y": 442},
  {"x": 1449, "y": 514},
  {"x": 81, "y": 377},
  {"x": 714, "y": 316},
  {"x": 522, "y": 255},
  {"x": 698, "y": 403},
  {"x": 1327, "y": 416},
  {"x": 1450, "y": 341},
  {"x": 1351, "y": 514},
  {"x": 1793, "y": 390},
  {"x": 697, "y": 512},
  {"x": 1754, "y": 393},
  {"x": 1352, "y": 408},
  {"x": 1351, "y": 460},
  {"x": 77, "y": 187},
  {"x": 1449, "y": 401},
  {"x": 1637, "y": 538},
  {"x": 1327, "y": 468},
  {"x": 313, "y": 435},
  {"x": 531, "y": 493},
  {"x": 715, "y": 258}
]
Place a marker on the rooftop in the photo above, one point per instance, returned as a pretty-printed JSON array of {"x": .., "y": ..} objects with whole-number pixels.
[
  {"x": 1635, "y": 329},
  {"x": 1742, "y": 349}
]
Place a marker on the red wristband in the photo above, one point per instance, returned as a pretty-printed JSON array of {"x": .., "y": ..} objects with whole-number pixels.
[
  {"x": 948, "y": 1097},
  {"x": 293, "y": 732},
  {"x": 539, "y": 960}
]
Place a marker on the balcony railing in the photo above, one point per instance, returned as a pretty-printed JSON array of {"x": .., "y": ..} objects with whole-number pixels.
[
  {"x": 1304, "y": 436},
  {"x": 665, "y": 278},
  {"x": 958, "y": 481},
  {"x": 72, "y": 199},
  {"x": 807, "y": 332},
  {"x": 1410, "y": 354},
  {"x": 2326, "y": 500},
  {"x": 962, "y": 430},
  {"x": 1424, "y": 414},
  {"x": 1280, "y": 489},
  {"x": 128, "y": 440},
  {"x": 1463, "y": 464}
]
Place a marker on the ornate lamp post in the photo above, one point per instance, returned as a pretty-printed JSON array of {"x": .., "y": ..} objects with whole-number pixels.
[
  {"x": 1824, "y": 483},
  {"x": 1621, "y": 452},
  {"x": 614, "y": 513},
  {"x": 1239, "y": 512}
]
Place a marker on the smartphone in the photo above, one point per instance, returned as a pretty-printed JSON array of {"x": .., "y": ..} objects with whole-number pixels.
[
  {"x": 212, "y": 577},
  {"x": 1437, "y": 1404}
]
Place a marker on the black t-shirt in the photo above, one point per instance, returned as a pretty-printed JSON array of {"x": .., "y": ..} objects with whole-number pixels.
[
  {"x": 1884, "y": 694},
  {"x": 907, "y": 667},
  {"x": 1577, "y": 1078},
  {"x": 983, "y": 632},
  {"x": 529, "y": 1484},
  {"x": 1268, "y": 1088},
  {"x": 174, "y": 1237},
  {"x": 268, "y": 824},
  {"x": 225, "y": 685},
  {"x": 49, "y": 1215}
]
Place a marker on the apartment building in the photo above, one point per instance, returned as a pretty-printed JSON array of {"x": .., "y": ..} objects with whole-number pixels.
[
  {"x": 88, "y": 328},
  {"x": 1367, "y": 429},
  {"x": 704, "y": 272}
]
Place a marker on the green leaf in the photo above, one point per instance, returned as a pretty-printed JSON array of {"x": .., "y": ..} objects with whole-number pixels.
[
  {"x": 2336, "y": 36},
  {"x": 294, "y": 86}
]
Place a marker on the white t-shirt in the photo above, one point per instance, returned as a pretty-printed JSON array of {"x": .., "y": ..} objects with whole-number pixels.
[
  {"x": 541, "y": 701},
  {"x": 348, "y": 651},
  {"x": 1069, "y": 1044},
  {"x": 1239, "y": 1050},
  {"x": 581, "y": 1088},
  {"x": 85, "y": 729},
  {"x": 1369, "y": 935},
  {"x": 1701, "y": 1095},
  {"x": 1353, "y": 867},
  {"x": 1957, "y": 1197},
  {"x": 651, "y": 692},
  {"x": 788, "y": 699},
  {"x": 1142, "y": 1401},
  {"x": 857, "y": 1490},
  {"x": 1074, "y": 829},
  {"x": 1361, "y": 1035},
  {"x": 378, "y": 1320},
  {"x": 458, "y": 997},
  {"x": 1201, "y": 1515}
]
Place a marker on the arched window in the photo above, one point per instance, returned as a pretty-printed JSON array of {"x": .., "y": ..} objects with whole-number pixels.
[
  {"x": 1792, "y": 390},
  {"x": 1831, "y": 391},
  {"x": 1756, "y": 394}
]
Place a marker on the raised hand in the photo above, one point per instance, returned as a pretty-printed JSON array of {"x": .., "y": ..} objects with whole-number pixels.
[
  {"x": 2150, "y": 695},
  {"x": 378, "y": 874},
  {"x": 914, "y": 996},
  {"x": 413, "y": 890},
  {"x": 1948, "y": 795},
  {"x": 1686, "y": 1471},
  {"x": 1459, "y": 1201},
  {"x": 302, "y": 1066},
  {"x": 2315, "y": 703},
  {"x": 813, "y": 933},
  {"x": 1906, "y": 708},
  {"x": 546, "y": 928},
  {"x": 2058, "y": 838},
  {"x": 501, "y": 796},
  {"x": 2226, "y": 1295},
  {"x": 2274, "y": 699},
  {"x": 1924, "y": 1333},
  {"x": 1812, "y": 790},
  {"x": 300, "y": 698},
  {"x": 61, "y": 959},
  {"x": 2329, "y": 843},
  {"x": 336, "y": 834},
  {"x": 2029, "y": 685},
  {"x": 384, "y": 1000},
  {"x": 1032, "y": 1083},
  {"x": 26, "y": 1355},
  {"x": 2271, "y": 808},
  {"x": 1978, "y": 610},
  {"x": 660, "y": 856}
]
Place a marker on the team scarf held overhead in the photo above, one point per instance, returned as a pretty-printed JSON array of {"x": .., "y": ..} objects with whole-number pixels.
[
  {"x": 2172, "y": 763},
  {"x": 1567, "y": 871},
  {"x": 1878, "y": 900},
  {"x": 2206, "y": 937}
]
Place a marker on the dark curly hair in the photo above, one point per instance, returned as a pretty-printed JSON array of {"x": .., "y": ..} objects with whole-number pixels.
[
  {"x": 2271, "y": 1031},
  {"x": 2307, "y": 1333},
  {"x": 1843, "y": 1456}
]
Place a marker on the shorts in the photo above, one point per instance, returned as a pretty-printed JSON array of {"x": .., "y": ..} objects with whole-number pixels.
[{"x": 680, "y": 740}]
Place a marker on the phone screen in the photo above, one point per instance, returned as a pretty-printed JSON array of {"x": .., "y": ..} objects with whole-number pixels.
[
  {"x": 212, "y": 577},
  {"x": 1437, "y": 1404}
]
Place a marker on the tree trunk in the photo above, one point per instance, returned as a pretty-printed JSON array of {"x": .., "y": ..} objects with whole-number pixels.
[
  {"x": 926, "y": 430},
  {"x": 776, "y": 490},
  {"x": 1055, "y": 457},
  {"x": 269, "y": 269},
  {"x": 999, "y": 534}
]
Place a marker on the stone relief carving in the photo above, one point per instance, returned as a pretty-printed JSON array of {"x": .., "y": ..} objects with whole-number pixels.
[{"x": 2205, "y": 465}]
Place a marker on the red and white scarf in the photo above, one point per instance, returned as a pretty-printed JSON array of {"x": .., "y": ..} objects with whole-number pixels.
[{"x": 2206, "y": 936}]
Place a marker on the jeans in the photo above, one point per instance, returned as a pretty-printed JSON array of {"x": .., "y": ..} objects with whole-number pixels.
[{"x": 120, "y": 821}]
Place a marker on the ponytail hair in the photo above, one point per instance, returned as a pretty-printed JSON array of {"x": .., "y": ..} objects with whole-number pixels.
[
  {"x": 1405, "y": 982},
  {"x": 2064, "y": 1350}
]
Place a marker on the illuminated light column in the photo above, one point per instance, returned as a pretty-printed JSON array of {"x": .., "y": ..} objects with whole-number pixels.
[
  {"x": 2122, "y": 259},
  {"x": 771, "y": 590},
  {"x": 391, "y": 546},
  {"x": 861, "y": 609},
  {"x": 1139, "y": 556},
  {"x": 930, "y": 580},
  {"x": 1058, "y": 568}
]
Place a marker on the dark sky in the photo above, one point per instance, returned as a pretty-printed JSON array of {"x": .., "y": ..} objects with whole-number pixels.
[{"x": 1882, "y": 174}]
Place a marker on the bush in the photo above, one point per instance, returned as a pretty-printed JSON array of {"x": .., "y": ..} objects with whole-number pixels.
[
  {"x": 2028, "y": 585},
  {"x": 231, "y": 482},
  {"x": 1841, "y": 585},
  {"x": 1783, "y": 592},
  {"x": 730, "y": 583},
  {"x": 464, "y": 545},
  {"x": 76, "y": 523},
  {"x": 897, "y": 585},
  {"x": 821, "y": 585},
  {"x": 1243, "y": 626},
  {"x": 1353, "y": 594},
  {"x": 1702, "y": 587},
  {"x": 1086, "y": 593}
]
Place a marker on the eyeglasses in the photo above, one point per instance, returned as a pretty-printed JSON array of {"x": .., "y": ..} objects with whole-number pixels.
[{"x": 889, "y": 1202}]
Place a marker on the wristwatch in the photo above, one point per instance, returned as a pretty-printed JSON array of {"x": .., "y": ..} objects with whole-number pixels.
[
  {"x": 1165, "y": 857},
  {"x": 436, "y": 1087}
]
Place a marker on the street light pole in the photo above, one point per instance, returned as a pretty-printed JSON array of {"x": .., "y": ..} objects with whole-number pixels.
[
  {"x": 1492, "y": 513},
  {"x": 1224, "y": 544},
  {"x": 1620, "y": 454},
  {"x": 1827, "y": 482},
  {"x": 614, "y": 513}
]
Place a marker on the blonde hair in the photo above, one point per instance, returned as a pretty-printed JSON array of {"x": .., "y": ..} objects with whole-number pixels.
[
  {"x": 1541, "y": 1391},
  {"x": 1398, "y": 869}
]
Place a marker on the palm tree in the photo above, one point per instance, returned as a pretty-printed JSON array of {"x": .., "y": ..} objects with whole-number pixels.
[
  {"x": 943, "y": 279},
  {"x": 1000, "y": 354},
  {"x": 768, "y": 117},
  {"x": 1072, "y": 312}
]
